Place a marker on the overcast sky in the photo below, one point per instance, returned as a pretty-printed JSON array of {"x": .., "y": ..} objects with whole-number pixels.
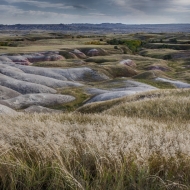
[{"x": 94, "y": 11}]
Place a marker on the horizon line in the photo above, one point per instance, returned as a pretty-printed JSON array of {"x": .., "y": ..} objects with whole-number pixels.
[{"x": 94, "y": 23}]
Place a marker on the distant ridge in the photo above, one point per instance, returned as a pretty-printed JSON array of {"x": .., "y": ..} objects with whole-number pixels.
[{"x": 104, "y": 27}]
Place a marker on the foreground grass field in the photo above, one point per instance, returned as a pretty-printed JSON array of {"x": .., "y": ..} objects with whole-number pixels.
[{"x": 130, "y": 146}]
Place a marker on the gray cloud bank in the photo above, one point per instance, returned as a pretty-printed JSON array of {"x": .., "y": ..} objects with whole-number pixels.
[{"x": 94, "y": 11}]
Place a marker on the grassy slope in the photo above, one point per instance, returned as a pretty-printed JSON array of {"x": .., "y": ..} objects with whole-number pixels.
[
  {"x": 108, "y": 151},
  {"x": 160, "y": 98},
  {"x": 165, "y": 106}
]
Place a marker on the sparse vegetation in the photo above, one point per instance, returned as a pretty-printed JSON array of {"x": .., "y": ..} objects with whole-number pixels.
[
  {"x": 95, "y": 43},
  {"x": 74, "y": 151},
  {"x": 164, "y": 107},
  {"x": 157, "y": 84},
  {"x": 98, "y": 107},
  {"x": 133, "y": 45},
  {"x": 80, "y": 95}
]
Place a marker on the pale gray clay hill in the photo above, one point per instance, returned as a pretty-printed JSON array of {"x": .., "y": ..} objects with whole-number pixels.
[
  {"x": 28, "y": 59},
  {"x": 24, "y": 87},
  {"x": 6, "y": 110},
  {"x": 129, "y": 88},
  {"x": 6, "y": 93},
  {"x": 33, "y": 78},
  {"x": 24, "y": 101},
  {"x": 176, "y": 83},
  {"x": 70, "y": 74},
  {"x": 40, "y": 109},
  {"x": 30, "y": 88}
]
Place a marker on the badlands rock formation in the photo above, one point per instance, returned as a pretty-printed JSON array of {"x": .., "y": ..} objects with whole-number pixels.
[
  {"x": 130, "y": 88},
  {"x": 6, "y": 93},
  {"x": 5, "y": 59},
  {"x": 158, "y": 67},
  {"x": 28, "y": 87},
  {"x": 41, "y": 99},
  {"x": 40, "y": 109},
  {"x": 28, "y": 59},
  {"x": 72, "y": 74},
  {"x": 128, "y": 62},
  {"x": 93, "y": 52},
  {"x": 44, "y": 56},
  {"x": 19, "y": 60},
  {"x": 18, "y": 74},
  {"x": 24, "y": 87},
  {"x": 176, "y": 83},
  {"x": 73, "y": 56},
  {"x": 79, "y": 54},
  {"x": 7, "y": 110},
  {"x": 32, "y": 89}
]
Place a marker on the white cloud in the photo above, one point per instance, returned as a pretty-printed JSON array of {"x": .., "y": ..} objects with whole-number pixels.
[
  {"x": 14, "y": 15},
  {"x": 120, "y": 2},
  {"x": 7, "y": 9},
  {"x": 42, "y": 4},
  {"x": 179, "y": 7},
  {"x": 178, "y": 10},
  {"x": 125, "y": 11},
  {"x": 97, "y": 14},
  {"x": 182, "y": 2}
]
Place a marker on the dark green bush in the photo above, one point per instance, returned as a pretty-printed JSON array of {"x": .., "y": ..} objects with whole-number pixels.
[
  {"x": 173, "y": 40},
  {"x": 133, "y": 45},
  {"x": 167, "y": 57}
]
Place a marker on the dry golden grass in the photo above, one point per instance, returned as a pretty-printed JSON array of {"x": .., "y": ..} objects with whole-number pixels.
[
  {"x": 45, "y": 47},
  {"x": 158, "y": 52},
  {"x": 157, "y": 96},
  {"x": 75, "y": 151},
  {"x": 167, "y": 105}
]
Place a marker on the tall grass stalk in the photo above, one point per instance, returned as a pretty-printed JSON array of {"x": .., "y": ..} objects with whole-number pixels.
[{"x": 75, "y": 151}]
